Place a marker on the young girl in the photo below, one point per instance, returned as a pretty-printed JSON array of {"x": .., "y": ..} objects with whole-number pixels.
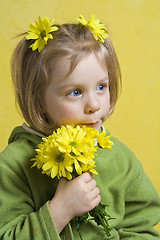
[{"x": 69, "y": 74}]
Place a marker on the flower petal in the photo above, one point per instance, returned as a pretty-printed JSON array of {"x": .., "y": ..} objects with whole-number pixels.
[
  {"x": 98, "y": 29},
  {"x": 54, "y": 171},
  {"x": 77, "y": 167},
  {"x": 41, "y": 30}
]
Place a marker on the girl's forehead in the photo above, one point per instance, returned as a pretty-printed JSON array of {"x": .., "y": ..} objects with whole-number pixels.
[
  {"x": 67, "y": 65},
  {"x": 87, "y": 67}
]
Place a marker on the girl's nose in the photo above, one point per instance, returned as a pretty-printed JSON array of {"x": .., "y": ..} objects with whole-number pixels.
[{"x": 91, "y": 105}]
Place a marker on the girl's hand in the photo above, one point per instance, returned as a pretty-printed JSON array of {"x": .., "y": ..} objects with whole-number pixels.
[{"x": 74, "y": 198}]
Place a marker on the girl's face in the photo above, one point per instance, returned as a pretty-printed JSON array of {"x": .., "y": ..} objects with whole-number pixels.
[{"x": 82, "y": 98}]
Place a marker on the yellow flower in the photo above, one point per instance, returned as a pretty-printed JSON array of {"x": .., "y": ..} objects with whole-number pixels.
[
  {"x": 89, "y": 167},
  {"x": 51, "y": 160},
  {"x": 41, "y": 32},
  {"x": 92, "y": 133},
  {"x": 104, "y": 141},
  {"x": 75, "y": 141},
  {"x": 98, "y": 29},
  {"x": 84, "y": 163}
]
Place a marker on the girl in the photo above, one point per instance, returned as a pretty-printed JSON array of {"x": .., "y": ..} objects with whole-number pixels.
[{"x": 69, "y": 74}]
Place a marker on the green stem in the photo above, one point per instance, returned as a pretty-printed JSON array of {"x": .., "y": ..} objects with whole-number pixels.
[
  {"x": 105, "y": 225},
  {"x": 80, "y": 235}
]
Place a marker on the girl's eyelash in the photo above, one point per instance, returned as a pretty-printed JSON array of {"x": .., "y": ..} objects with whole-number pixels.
[
  {"x": 102, "y": 86},
  {"x": 77, "y": 92},
  {"x": 74, "y": 93}
]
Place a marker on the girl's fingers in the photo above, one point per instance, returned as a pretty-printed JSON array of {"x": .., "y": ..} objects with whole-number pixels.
[
  {"x": 91, "y": 185},
  {"x": 96, "y": 201},
  {"x": 86, "y": 177},
  {"x": 94, "y": 193}
]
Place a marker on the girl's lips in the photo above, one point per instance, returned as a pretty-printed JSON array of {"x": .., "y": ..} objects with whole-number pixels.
[{"x": 91, "y": 124}]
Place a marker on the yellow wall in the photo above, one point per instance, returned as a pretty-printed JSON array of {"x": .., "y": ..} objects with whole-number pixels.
[{"x": 134, "y": 27}]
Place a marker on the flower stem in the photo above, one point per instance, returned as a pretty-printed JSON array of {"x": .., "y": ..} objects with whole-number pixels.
[
  {"x": 105, "y": 225},
  {"x": 80, "y": 235},
  {"x": 98, "y": 214}
]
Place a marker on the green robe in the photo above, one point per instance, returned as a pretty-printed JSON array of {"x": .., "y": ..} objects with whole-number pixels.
[{"x": 25, "y": 192}]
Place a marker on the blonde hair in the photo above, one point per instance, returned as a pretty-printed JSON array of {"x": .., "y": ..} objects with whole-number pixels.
[{"x": 31, "y": 70}]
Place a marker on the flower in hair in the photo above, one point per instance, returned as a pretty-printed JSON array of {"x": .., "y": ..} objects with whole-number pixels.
[
  {"x": 40, "y": 32},
  {"x": 98, "y": 29}
]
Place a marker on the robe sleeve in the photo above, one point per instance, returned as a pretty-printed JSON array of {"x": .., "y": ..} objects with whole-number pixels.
[
  {"x": 142, "y": 206},
  {"x": 18, "y": 217}
]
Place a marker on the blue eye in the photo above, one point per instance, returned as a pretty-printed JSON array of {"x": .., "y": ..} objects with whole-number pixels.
[
  {"x": 75, "y": 93},
  {"x": 100, "y": 87}
]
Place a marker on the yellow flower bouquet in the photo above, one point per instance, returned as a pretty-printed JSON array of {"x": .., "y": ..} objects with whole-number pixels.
[{"x": 69, "y": 152}]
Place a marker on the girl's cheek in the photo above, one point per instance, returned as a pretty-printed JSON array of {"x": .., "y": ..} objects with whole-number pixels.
[{"x": 70, "y": 113}]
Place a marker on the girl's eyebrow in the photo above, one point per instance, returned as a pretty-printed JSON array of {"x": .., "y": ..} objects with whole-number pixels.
[
  {"x": 71, "y": 83},
  {"x": 79, "y": 83},
  {"x": 105, "y": 78}
]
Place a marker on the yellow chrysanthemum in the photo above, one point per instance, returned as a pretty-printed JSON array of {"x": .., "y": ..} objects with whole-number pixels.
[
  {"x": 89, "y": 168},
  {"x": 92, "y": 133},
  {"x": 75, "y": 141},
  {"x": 51, "y": 160},
  {"x": 104, "y": 141},
  {"x": 98, "y": 29},
  {"x": 41, "y": 32}
]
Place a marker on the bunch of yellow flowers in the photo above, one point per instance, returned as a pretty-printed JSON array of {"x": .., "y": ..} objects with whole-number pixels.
[{"x": 69, "y": 152}]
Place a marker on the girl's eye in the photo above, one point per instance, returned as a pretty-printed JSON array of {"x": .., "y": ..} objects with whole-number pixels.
[
  {"x": 75, "y": 93},
  {"x": 101, "y": 87}
]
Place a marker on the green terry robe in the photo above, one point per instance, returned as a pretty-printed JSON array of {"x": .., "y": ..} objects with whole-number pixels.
[{"x": 25, "y": 192}]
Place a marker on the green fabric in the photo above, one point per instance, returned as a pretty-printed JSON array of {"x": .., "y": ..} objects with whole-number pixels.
[{"x": 25, "y": 192}]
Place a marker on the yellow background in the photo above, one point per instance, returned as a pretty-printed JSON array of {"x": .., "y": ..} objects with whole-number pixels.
[{"x": 134, "y": 27}]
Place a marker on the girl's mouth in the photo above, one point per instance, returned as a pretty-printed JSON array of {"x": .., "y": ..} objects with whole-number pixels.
[{"x": 94, "y": 124}]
